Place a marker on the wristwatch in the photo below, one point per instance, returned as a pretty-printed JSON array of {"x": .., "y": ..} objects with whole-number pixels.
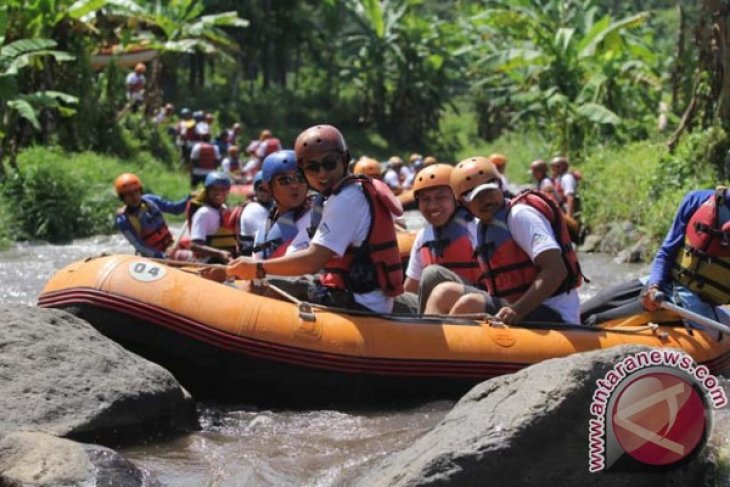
[{"x": 260, "y": 272}]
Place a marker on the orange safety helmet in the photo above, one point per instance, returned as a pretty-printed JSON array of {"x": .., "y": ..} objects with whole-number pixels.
[
  {"x": 432, "y": 176},
  {"x": 499, "y": 160},
  {"x": 318, "y": 140},
  {"x": 127, "y": 182},
  {"x": 265, "y": 134},
  {"x": 473, "y": 172},
  {"x": 140, "y": 68},
  {"x": 233, "y": 150},
  {"x": 367, "y": 166},
  {"x": 414, "y": 157},
  {"x": 429, "y": 160}
]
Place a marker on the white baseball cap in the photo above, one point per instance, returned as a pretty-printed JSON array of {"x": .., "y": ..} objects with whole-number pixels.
[{"x": 482, "y": 187}]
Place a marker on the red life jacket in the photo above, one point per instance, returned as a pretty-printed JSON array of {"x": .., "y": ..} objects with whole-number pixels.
[
  {"x": 559, "y": 188},
  {"x": 150, "y": 225},
  {"x": 378, "y": 256},
  {"x": 268, "y": 146},
  {"x": 508, "y": 270},
  {"x": 137, "y": 83},
  {"x": 450, "y": 246},
  {"x": 206, "y": 159},
  {"x": 703, "y": 264}
]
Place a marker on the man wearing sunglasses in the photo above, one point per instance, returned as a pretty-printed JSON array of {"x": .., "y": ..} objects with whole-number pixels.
[
  {"x": 523, "y": 246},
  {"x": 354, "y": 241}
]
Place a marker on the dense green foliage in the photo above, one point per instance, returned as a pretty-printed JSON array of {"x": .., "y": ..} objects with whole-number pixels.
[
  {"x": 55, "y": 197},
  {"x": 527, "y": 78}
]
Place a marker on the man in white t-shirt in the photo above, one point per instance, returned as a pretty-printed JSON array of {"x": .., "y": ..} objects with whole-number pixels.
[
  {"x": 530, "y": 274},
  {"x": 210, "y": 237},
  {"x": 136, "y": 82},
  {"x": 539, "y": 172},
  {"x": 350, "y": 279},
  {"x": 392, "y": 176},
  {"x": 255, "y": 213},
  {"x": 565, "y": 185}
]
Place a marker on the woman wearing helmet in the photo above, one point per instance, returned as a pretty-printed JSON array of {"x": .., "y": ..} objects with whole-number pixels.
[
  {"x": 353, "y": 239},
  {"x": 141, "y": 221},
  {"x": 212, "y": 231},
  {"x": 285, "y": 229},
  {"x": 531, "y": 270},
  {"x": 443, "y": 249}
]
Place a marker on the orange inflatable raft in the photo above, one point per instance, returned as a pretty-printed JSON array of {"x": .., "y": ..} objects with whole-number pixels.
[{"x": 222, "y": 341}]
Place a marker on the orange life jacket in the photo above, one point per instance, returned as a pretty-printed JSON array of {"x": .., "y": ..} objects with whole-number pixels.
[
  {"x": 508, "y": 270},
  {"x": 376, "y": 263},
  {"x": 703, "y": 264},
  {"x": 450, "y": 246}
]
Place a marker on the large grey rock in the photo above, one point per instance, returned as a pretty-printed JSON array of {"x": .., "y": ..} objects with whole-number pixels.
[
  {"x": 527, "y": 428},
  {"x": 60, "y": 376},
  {"x": 619, "y": 236},
  {"x": 637, "y": 252},
  {"x": 591, "y": 243},
  {"x": 38, "y": 459}
]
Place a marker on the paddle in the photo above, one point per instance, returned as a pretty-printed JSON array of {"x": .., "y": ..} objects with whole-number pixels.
[
  {"x": 178, "y": 240},
  {"x": 201, "y": 266},
  {"x": 691, "y": 315}
]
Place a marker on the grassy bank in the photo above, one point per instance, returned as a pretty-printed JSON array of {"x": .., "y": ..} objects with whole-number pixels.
[{"x": 57, "y": 196}]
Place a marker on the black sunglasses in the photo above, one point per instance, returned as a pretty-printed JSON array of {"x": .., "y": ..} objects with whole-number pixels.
[
  {"x": 329, "y": 164},
  {"x": 287, "y": 180}
]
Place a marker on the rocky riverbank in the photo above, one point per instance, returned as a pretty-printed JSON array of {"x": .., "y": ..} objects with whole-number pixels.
[
  {"x": 61, "y": 382},
  {"x": 531, "y": 428},
  {"x": 621, "y": 239},
  {"x": 66, "y": 390}
]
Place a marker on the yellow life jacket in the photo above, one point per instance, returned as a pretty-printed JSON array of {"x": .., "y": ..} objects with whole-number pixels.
[{"x": 703, "y": 263}]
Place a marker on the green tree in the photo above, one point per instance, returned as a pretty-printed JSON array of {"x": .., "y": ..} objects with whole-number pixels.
[
  {"x": 562, "y": 65},
  {"x": 19, "y": 106}
]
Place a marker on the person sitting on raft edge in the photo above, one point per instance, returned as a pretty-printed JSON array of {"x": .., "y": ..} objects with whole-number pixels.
[
  {"x": 692, "y": 267},
  {"x": 523, "y": 247},
  {"x": 142, "y": 223},
  {"x": 351, "y": 215}
]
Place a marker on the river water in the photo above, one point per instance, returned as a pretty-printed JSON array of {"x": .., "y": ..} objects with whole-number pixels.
[{"x": 240, "y": 444}]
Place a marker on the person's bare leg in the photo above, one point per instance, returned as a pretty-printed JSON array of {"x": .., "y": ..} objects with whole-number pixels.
[
  {"x": 469, "y": 304},
  {"x": 443, "y": 297}
]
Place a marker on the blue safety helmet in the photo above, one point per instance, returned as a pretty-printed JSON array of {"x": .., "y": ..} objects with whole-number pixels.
[
  {"x": 198, "y": 115},
  {"x": 185, "y": 113},
  {"x": 258, "y": 179},
  {"x": 217, "y": 178},
  {"x": 278, "y": 162}
]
